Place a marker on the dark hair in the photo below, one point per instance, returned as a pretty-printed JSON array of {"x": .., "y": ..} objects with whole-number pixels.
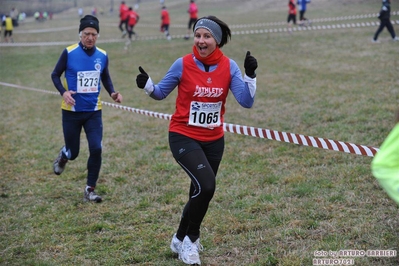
[{"x": 226, "y": 33}]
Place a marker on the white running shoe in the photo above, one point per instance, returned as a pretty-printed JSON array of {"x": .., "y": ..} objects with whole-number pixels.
[
  {"x": 190, "y": 251},
  {"x": 175, "y": 245}
]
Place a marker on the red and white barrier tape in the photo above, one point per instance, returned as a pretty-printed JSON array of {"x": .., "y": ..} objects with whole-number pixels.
[
  {"x": 321, "y": 143},
  {"x": 139, "y": 111},
  {"x": 298, "y": 139}
]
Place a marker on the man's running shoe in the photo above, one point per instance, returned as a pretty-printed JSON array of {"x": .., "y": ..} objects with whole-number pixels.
[
  {"x": 59, "y": 163},
  {"x": 90, "y": 195}
]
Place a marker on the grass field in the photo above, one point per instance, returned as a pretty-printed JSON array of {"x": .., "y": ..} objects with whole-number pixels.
[{"x": 276, "y": 203}]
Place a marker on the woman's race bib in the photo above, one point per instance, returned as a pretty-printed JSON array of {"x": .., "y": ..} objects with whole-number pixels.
[{"x": 205, "y": 114}]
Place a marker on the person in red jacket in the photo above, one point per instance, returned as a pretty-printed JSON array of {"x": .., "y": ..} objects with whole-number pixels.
[
  {"x": 123, "y": 13},
  {"x": 203, "y": 78},
  {"x": 165, "y": 21},
  {"x": 193, "y": 11},
  {"x": 291, "y": 14},
  {"x": 132, "y": 19}
]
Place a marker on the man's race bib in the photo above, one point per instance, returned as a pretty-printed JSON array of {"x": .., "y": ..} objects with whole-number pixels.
[
  {"x": 88, "y": 81},
  {"x": 204, "y": 114}
]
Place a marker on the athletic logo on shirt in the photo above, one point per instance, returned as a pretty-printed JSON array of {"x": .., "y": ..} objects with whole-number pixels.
[{"x": 207, "y": 92}]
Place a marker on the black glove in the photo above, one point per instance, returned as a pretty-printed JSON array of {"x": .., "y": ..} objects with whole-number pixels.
[
  {"x": 250, "y": 65},
  {"x": 142, "y": 78}
]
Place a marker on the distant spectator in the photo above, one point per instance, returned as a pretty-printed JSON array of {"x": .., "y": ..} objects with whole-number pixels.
[
  {"x": 36, "y": 15},
  {"x": 165, "y": 21},
  {"x": 385, "y": 21},
  {"x": 21, "y": 17},
  {"x": 291, "y": 14},
  {"x": 123, "y": 18},
  {"x": 8, "y": 29},
  {"x": 13, "y": 13},
  {"x": 14, "y": 16},
  {"x": 193, "y": 13},
  {"x": 303, "y": 21},
  {"x": 80, "y": 12},
  {"x": 132, "y": 19}
]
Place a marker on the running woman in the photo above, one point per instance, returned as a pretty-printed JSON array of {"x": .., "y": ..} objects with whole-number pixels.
[{"x": 196, "y": 136}]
